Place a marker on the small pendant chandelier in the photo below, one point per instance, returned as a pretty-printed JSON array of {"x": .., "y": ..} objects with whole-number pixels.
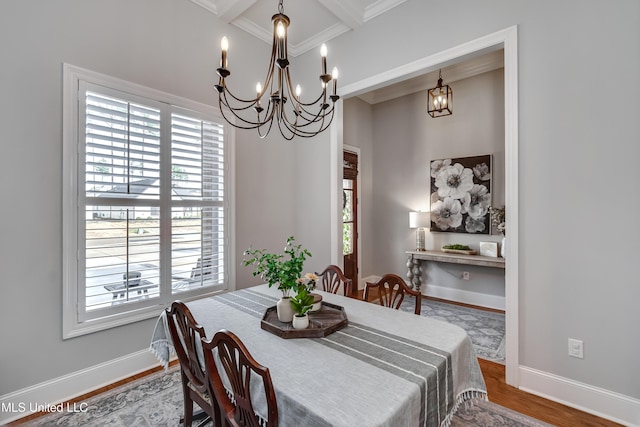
[
  {"x": 282, "y": 103},
  {"x": 440, "y": 100}
]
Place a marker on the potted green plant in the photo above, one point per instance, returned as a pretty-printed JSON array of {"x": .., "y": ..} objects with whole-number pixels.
[
  {"x": 302, "y": 303},
  {"x": 281, "y": 269}
]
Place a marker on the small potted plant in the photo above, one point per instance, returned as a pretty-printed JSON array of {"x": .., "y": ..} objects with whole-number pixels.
[
  {"x": 281, "y": 269},
  {"x": 302, "y": 302}
]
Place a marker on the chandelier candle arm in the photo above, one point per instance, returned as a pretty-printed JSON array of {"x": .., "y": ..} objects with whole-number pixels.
[
  {"x": 258, "y": 108},
  {"x": 324, "y": 77},
  {"x": 323, "y": 55},
  {"x": 285, "y": 105},
  {"x": 224, "y": 46},
  {"x": 334, "y": 76},
  {"x": 281, "y": 23}
]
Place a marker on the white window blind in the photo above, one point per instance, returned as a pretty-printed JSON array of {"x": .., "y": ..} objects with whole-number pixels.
[
  {"x": 197, "y": 183},
  {"x": 122, "y": 148},
  {"x": 152, "y": 213}
]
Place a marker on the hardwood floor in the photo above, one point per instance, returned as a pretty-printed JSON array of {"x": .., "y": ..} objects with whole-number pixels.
[{"x": 537, "y": 407}]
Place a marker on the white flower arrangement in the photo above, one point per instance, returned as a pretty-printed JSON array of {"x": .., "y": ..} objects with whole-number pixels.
[{"x": 308, "y": 281}]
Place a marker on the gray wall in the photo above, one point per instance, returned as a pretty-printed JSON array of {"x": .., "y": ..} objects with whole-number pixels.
[
  {"x": 167, "y": 45},
  {"x": 577, "y": 165},
  {"x": 578, "y": 162}
]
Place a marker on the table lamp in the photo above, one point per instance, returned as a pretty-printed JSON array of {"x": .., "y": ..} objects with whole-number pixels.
[{"x": 420, "y": 221}]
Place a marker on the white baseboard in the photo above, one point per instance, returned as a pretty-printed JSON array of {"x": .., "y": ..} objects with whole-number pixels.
[
  {"x": 18, "y": 404},
  {"x": 466, "y": 297},
  {"x": 606, "y": 404}
]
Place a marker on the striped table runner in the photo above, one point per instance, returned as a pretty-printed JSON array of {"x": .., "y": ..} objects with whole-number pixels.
[{"x": 370, "y": 373}]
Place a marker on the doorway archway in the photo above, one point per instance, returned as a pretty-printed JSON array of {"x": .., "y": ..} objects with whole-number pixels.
[{"x": 507, "y": 40}]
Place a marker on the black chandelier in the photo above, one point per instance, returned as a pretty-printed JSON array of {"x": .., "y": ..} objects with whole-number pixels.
[{"x": 283, "y": 103}]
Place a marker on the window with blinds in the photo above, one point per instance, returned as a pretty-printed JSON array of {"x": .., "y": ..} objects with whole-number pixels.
[{"x": 151, "y": 212}]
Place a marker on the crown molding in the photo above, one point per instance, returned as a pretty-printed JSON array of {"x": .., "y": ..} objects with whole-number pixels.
[
  {"x": 380, "y": 7},
  {"x": 234, "y": 9},
  {"x": 293, "y": 49},
  {"x": 469, "y": 68},
  {"x": 210, "y": 5},
  {"x": 349, "y": 17},
  {"x": 319, "y": 38},
  {"x": 254, "y": 29}
]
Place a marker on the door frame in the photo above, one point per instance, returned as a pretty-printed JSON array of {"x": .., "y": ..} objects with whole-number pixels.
[
  {"x": 507, "y": 40},
  {"x": 356, "y": 150}
]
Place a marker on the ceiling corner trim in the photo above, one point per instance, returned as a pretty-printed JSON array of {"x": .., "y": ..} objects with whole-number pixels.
[
  {"x": 380, "y": 7},
  {"x": 294, "y": 49},
  {"x": 235, "y": 9},
  {"x": 316, "y": 40},
  {"x": 347, "y": 12},
  {"x": 210, "y": 5},
  {"x": 338, "y": 17},
  {"x": 253, "y": 29}
]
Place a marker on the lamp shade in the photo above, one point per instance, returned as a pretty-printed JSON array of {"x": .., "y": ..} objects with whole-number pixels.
[{"x": 419, "y": 219}]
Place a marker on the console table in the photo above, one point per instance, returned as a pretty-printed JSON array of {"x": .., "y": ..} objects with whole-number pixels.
[{"x": 415, "y": 258}]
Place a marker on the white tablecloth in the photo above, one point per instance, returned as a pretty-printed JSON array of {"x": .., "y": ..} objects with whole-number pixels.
[{"x": 386, "y": 368}]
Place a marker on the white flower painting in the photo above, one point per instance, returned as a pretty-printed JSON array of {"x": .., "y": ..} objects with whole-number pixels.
[{"x": 461, "y": 195}]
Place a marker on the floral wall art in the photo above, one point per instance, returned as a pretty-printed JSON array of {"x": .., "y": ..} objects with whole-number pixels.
[{"x": 461, "y": 195}]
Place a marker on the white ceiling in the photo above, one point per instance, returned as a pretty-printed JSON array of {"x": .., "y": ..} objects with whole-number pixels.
[{"x": 313, "y": 22}]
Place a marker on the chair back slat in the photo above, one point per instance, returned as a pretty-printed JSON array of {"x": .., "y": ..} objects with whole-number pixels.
[
  {"x": 238, "y": 368},
  {"x": 332, "y": 279},
  {"x": 186, "y": 335},
  {"x": 391, "y": 292}
]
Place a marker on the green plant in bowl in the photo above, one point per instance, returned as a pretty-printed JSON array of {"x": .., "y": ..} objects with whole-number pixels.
[{"x": 457, "y": 246}]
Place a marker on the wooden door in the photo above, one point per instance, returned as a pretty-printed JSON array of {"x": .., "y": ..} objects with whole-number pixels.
[{"x": 350, "y": 217}]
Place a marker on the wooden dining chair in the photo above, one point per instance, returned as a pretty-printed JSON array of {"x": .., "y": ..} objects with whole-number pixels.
[
  {"x": 332, "y": 279},
  {"x": 391, "y": 292},
  {"x": 239, "y": 369},
  {"x": 186, "y": 335}
]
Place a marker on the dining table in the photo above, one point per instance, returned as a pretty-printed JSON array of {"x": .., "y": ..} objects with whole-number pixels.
[{"x": 385, "y": 367}]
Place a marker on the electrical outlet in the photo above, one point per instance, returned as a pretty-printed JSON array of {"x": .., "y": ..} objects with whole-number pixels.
[
  {"x": 465, "y": 275},
  {"x": 576, "y": 348}
]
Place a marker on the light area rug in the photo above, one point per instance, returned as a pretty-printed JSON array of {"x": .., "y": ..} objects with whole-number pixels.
[
  {"x": 485, "y": 328},
  {"x": 156, "y": 401}
]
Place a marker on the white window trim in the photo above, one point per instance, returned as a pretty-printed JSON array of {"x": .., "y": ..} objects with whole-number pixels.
[{"x": 71, "y": 324}]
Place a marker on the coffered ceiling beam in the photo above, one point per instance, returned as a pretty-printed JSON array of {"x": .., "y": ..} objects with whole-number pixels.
[
  {"x": 348, "y": 12},
  {"x": 234, "y": 9}
]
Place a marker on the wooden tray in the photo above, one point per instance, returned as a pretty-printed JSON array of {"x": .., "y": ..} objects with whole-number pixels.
[
  {"x": 459, "y": 251},
  {"x": 327, "y": 320}
]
